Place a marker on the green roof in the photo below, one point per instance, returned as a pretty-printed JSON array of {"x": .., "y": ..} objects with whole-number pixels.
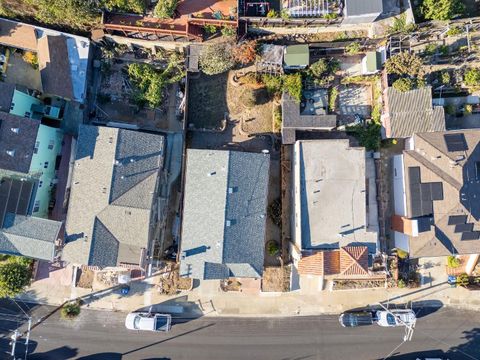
[
  {"x": 373, "y": 61},
  {"x": 297, "y": 55}
]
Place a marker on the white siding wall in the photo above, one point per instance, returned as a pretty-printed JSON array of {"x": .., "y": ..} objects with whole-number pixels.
[
  {"x": 399, "y": 186},
  {"x": 401, "y": 241}
]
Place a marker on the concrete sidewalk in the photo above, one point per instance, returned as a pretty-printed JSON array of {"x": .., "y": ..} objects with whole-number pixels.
[{"x": 209, "y": 300}]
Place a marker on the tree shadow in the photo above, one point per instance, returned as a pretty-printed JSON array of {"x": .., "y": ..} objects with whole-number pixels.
[
  {"x": 181, "y": 310},
  {"x": 468, "y": 350}
]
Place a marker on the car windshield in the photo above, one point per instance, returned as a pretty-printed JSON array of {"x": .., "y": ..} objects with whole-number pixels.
[
  {"x": 136, "y": 322},
  {"x": 161, "y": 321},
  {"x": 391, "y": 320}
]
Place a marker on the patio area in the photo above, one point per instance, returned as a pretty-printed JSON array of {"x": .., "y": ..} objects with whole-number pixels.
[{"x": 19, "y": 72}]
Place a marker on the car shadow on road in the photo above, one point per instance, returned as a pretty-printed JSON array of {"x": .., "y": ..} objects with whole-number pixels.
[
  {"x": 180, "y": 308},
  {"x": 421, "y": 308}
]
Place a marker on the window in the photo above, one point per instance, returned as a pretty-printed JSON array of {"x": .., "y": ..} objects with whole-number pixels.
[
  {"x": 36, "y": 206},
  {"x": 45, "y": 165},
  {"x": 51, "y": 143},
  {"x": 37, "y": 145}
]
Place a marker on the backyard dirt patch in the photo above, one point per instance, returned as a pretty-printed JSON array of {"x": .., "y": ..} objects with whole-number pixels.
[
  {"x": 212, "y": 98},
  {"x": 276, "y": 279},
  {"x": 86, "y": 279},
  {"x": 357, "y": 284},
  {"x": 170, "y": 282}
]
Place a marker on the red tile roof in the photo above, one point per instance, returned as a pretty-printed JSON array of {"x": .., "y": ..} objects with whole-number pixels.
[
  {"x": 354, "y": 260},
  {"x": 348, "y": 261}
]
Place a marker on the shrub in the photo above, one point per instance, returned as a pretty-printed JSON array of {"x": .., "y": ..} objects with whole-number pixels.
[
  {"x": 472, "y": 77},
  {"x": 277, "y": 119},
  {"x": 445, "y": 77},
  {"x": 402, "y": 254},
  {"x": 443, "y": 49},
  {"x": 453, "y": 262},
  {"x": 401, "y": 284},
  {"x": 228, "y": 31},
  {"x": 275, "y": 207},
  {"x": 450, "y": 109},
  {"x": 136, "y": 6},
  {"x": 31, "y": 58},
  {"x": 245, "y": 52},
  {"x": 331, "y": 16},
  {"x": 216, "y": 58},
  {"x": 284, "y": 14},
  {"x": 14, "y": 277},
  {"x": 165, "y": 9},
  {"x": 468, "y": 108},
  {"x": 441, "y": 9},
  {"x": 454, "y": 31},
  {"x": 404, "y": 84},
  {"x": 273, "y": 84},
  {"x": 210, "y": 29},
  {"x": 430, "y": 49},
  {"x": 400, "y": 25},
  {"x": 273, "y": 248},
  {"x": 272, "y": 14},
  {"x": 70, "y": 310},
  {"x": 150, "y": 83},
  {"x": 404, "y": 63},
  {"x": 248, "y": 98},
  {"x": 292, "y": 84},
  {"x": 318, "y": 68},
  {"x": 463, "y": 280},
  {"x": 368, "y": 136},
  {"x": 353, "y": 48},
  {"x": 332, "y": 99}
]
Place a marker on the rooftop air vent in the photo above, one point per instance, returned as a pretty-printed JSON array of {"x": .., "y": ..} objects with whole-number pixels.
[
  {"x": 212, "y": 173},
  {"x": 15, "y": 130},
  {"x": 11, "y": 153}
]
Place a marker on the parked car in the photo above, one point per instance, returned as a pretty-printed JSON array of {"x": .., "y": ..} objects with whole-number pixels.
[
  {"x": 148, "y": 321},
  {"x": 356, "y": 318},
  {"x": 396, "y": 317}
]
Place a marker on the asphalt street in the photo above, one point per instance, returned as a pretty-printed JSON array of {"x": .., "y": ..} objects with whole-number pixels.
[{"x": 443, "y": 333}]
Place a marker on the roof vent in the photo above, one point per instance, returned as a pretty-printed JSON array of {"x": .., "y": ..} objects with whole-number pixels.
[
  {"x": 230, "y": 190},
  {"x": 122, "y": 177},
  {"x": 15, "y": 130},
  {"x": 132, "y": 160},
  {"x": 212, "y": 173},
  {"x": 11, "y": 153},
  {"x": 228, "y": 223},
  {"x": 116, "y": 162}
]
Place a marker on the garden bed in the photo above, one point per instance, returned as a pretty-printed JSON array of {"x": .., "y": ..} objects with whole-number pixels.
[
  {"x": 357, "y": 284},
  {"x": 276, "y": 279}
]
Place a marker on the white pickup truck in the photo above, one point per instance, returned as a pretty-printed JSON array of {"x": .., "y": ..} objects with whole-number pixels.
[{"x": 148, "y": 321}]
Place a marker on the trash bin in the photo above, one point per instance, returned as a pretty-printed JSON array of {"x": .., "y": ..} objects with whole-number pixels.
[
  {"x": 125, "y": 289},
  {"x": 452, "y": 280}
]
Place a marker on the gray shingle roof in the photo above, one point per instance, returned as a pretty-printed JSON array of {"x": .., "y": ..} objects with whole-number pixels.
[
  {"x": 21, "y": 142},
  {"x": 363, "y": 7},
  {"x": 224, "y": 215},
  {"x": 292, "y": 120},
  {"x": 29, "y": 236},
  {"x": 412, "y": 112},
  {"x": 114, "y": 187}
]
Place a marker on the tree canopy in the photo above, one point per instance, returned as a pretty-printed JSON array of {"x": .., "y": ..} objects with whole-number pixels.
[
  {"x": 135, "y": 6},
  {"x": 151, "y": 83},
  {"x": 472, "y": 77},
  {"x": 442, "y": 9},
  {"x": 14, "y": 277},
  {"x": 165, "y": 9},
  {"x": 404, "y": 63}
]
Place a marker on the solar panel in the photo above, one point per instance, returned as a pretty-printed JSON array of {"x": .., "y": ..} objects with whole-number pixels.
[
  {"x": 471, "y": 235},
  {"x": 437, "y": 190},
  {"x": 455, "y": 142},
  {"x": 457, "y": 219},
  {"x": 414, "y": 174},
  {"x": 15, "y": 189},
  {"x": 4, "y": 191},
  {"x": 24, "y": 199},
  {"x": 460, "y": 228}
]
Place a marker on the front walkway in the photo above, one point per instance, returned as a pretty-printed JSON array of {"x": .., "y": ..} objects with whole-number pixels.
[{"x": 210, "y": 300}]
